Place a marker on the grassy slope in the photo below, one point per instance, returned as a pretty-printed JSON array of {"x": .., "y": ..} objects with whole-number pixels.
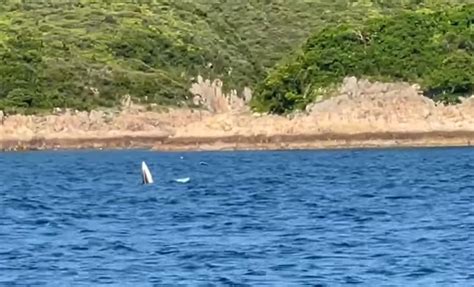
[
  {"x": 84, "y": 54},
  {"x": 67, "y": 51}
]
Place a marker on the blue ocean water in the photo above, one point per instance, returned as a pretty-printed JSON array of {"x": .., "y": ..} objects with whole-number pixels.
[{"x": 291, "y": 218}]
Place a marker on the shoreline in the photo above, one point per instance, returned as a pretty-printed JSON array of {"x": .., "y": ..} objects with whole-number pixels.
[
  {"x": 361, "y": 115},
  {"x": 256, "y": 142}
]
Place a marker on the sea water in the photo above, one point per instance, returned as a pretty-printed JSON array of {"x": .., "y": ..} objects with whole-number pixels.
[{"x": 400, "y": 217}]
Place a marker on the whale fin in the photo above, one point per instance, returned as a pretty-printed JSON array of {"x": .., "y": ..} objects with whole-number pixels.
[{"x": 146, "y": 174}]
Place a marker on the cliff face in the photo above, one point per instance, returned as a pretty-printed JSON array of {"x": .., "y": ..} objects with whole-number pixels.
[
  {"x": 360, "y": 107},
  {"x": 211, "y": 95},
  {"x": 378, "y": 107}
]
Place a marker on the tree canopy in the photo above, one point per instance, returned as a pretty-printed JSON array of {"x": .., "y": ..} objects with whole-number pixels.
[{"x": 434, "y": 48}]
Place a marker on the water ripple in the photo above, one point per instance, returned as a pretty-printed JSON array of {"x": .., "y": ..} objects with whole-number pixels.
[{"x": 300, "y": 218}]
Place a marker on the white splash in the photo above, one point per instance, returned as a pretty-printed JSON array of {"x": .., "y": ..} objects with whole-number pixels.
[{"x": 183, "y": 180}]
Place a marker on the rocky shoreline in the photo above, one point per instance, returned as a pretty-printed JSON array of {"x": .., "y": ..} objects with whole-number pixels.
[
  {"x": 276, "y": 142},
  {"x": 361, "y": 115}
]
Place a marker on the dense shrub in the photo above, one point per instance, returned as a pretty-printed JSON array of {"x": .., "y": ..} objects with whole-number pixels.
[
  {"x": 88, "y": 53},
  {"x": 432, "y": 48}
]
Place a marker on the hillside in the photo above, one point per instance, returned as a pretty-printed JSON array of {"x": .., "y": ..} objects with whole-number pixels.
[
  {"x": 86, "y": 54},
  {"x": 430, "y": 47}
]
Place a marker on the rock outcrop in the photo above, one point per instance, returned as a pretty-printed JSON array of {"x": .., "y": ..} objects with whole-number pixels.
[
  {"x": 361, "y": 107},
  {"x": 210, "y": 94}
]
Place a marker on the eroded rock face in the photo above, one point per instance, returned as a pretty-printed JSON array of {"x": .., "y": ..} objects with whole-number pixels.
[
  {"x": 359, "y": 107},
  {"x": 363, "y": 106},
  {"x": 211, "y": 96}
]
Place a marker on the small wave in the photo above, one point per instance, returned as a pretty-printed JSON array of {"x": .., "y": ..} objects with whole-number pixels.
[
  {"x": 119, "y": 246},
  {"x": 424, "y": 271},
  {"x": 255, "y": 273},
  {"x": 389, "y": 185},
  {"x": 123, "y": 247},
  {"x": 401, "y": 197},
  {"x": 362, "y": 219},
  {"x": 57, "y": 254},
  {"x": 41, "y": 221},
  {"x": 167, "y": 250},
  {"x": 315, "y": 257},
  {"x": 377, "y": 212},
  {"x": 380, "y": 271},
  {"x": 352, "y": 280},
  {"x": 282, "y": 267},
  {"x": 366, "y": 195},
  {"x": 49, "y": 233},
  {"x": 346, "y": 244},
  {"x": 378, "y": 255},
  {"x": 421, "y": 240},
  {"x": 79, "y": 248},
  {"x": 229, "y": 282}
]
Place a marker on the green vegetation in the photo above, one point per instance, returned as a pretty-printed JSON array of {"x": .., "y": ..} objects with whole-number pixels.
[
  {"x": 434, "y": 48},
  {"x": 84, "y": 54}
]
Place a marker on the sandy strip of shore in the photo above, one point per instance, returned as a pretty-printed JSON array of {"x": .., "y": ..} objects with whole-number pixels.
[{"x": 277, "y": 142}]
